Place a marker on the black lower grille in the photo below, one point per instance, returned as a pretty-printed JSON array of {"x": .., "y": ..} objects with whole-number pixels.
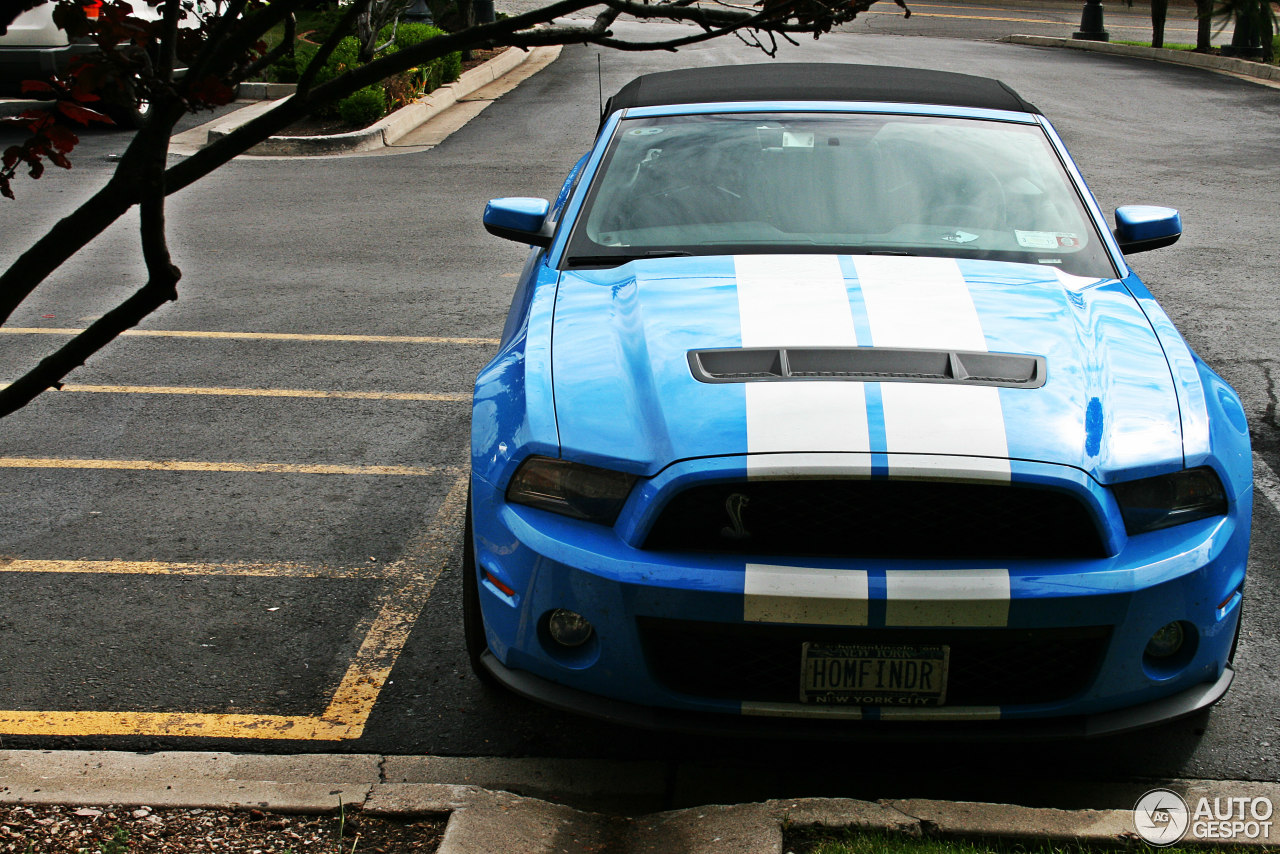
[
  {"x": 877, "y": 518},
  {"x": 988, "y": 667}
]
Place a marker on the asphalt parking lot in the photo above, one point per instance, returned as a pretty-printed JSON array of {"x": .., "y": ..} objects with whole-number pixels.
[
  {"x": 237, "y": 528},
  {"x": 288, "y": 575}
]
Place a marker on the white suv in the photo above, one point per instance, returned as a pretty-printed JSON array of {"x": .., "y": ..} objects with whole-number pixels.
[{"x": 34, "y": 47}]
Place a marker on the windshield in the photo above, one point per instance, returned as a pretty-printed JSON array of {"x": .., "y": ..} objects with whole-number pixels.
[{"x": 835, "y": 182}]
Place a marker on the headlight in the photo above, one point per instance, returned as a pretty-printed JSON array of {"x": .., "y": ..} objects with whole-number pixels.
[
  {"x": 571, "y": 489},
  {"x": 1160, "y": 502}
]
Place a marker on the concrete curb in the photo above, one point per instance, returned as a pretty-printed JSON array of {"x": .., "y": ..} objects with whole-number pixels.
[
  {"x": 483, "y": 819},
  {"x": 1228, "y": 64},
  {"x": 387, "y": 131}
]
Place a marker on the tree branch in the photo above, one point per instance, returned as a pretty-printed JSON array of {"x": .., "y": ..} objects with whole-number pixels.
[
  {"x": 141, "y": 176},
  {"x": 67, "y": 237},
  {"x": 51, "y": 370},
  {"x": 326, "y": 50},
  {"x": 286, "y": 46}
]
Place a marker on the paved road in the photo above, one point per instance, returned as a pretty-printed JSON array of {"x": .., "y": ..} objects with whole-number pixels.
[
  {"x": 289, "y": 583},
  {"x": 989, "y": 19}
]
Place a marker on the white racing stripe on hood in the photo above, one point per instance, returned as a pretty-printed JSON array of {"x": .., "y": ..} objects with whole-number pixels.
[
  {"x": 924, "y": 303},
  {"x": 799, "y": 300},
  {"x": 918, "y": 302}
]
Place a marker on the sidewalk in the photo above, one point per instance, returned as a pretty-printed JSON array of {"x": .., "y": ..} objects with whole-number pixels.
[
  {"x": 468, "y": 96},
  {"x": 1265, "y": 74},
  {"x": 492, "y": 803}
]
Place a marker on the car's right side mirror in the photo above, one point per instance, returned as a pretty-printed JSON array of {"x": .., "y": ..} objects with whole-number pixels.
[
  {"x": 519, "y": 219},
  {"x": 1140, "y": 228}
]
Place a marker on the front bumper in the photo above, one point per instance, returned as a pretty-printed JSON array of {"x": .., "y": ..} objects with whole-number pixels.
[
  {"x": 36, "y": 63},
  {"x": 1180, "y": 705},
  {"x": 1193, "y": 573}
]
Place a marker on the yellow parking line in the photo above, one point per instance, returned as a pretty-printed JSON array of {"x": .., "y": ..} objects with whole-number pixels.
[
  {"x": 262, "y": 336},
  {"x": 176, "y": 724},
  {"x": 449, "y": 397},
  {"x": 411, "y": 580},
  {"x": 969, "y": 17},
  {"x": 144, "y": 567},
  {"x": 191, "y": 465},
  {"x": 414, "y": 578},
  {"x": 1111, "y": 24}
]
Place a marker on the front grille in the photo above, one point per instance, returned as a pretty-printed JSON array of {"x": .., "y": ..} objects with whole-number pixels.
[
  {"x": 877, "y": 518},
  {"x": 988, "y": 667}
]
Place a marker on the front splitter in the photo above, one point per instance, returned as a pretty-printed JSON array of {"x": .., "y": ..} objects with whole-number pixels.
[{"x": 1165, "y": 710}]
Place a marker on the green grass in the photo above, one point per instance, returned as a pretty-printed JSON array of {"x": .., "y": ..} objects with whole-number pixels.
[
  {"x": 846, "y": 841},
  {"x": 308, "y": 20},
  {"x": 1168, "y": 45},
  {"x": 1275, "y": 46}
]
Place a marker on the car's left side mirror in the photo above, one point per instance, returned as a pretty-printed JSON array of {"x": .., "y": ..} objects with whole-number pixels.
[
  {"x": 518, "y": 219},
  {"x": 1140, "y": 228}
]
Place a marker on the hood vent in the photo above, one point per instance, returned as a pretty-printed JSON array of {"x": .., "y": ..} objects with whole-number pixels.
[{"x": 867, "y": 364}]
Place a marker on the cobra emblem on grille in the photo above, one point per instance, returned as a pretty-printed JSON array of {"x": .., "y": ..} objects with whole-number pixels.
[{"x": 734, "y": 505}]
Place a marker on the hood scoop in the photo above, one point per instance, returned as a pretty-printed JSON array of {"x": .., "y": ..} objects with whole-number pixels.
[{"x": 867, "y": 364}]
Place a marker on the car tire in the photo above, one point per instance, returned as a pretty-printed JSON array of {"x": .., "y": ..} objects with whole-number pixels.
[
  {"x": 472, "y": 616},
  {"x": 129, "y": 118}
]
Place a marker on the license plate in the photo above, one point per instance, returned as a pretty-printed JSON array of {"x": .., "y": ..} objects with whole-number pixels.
[{"x": 874, "y": 674}]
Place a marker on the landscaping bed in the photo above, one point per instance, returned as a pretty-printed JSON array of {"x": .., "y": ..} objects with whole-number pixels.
[
  {"x": 43, "y": 829},
  {"x": 324, "y": 126}
]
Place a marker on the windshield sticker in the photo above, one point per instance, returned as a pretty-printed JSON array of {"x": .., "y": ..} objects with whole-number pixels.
[
  {"x": 645, "y": 131},
  {"x": 796, "y": 139},
  {"x": 959, "y": 237},
  {"x": 1047, "y": 239}
]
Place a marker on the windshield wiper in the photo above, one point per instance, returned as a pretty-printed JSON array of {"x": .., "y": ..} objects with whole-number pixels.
[{"x": 620, "y": 258}]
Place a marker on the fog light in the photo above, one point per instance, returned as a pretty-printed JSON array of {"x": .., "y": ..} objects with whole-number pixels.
[
  {"x": 569, "y": 628},
  {"x": 1167, "y": 641}
]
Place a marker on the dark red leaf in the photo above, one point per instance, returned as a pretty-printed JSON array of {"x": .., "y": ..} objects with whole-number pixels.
[
  {"x": 31, "y": 87},
  {"x": 59, "y": 159},
  {"x": 62, "y": 138},
  {"x": 83, "y": 95},
  {"x": 80, "y": 114},
  {"x": 37, "y": 168}
]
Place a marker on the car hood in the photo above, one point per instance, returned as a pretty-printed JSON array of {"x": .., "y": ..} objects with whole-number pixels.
[{"x": 626, "y": 395}]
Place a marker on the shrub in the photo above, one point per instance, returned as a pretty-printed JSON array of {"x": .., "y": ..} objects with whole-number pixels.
[
  {"x": 364, "y": 106},
  {"x": 370, "y": 104},
  {"x": 438, "y": 71}
]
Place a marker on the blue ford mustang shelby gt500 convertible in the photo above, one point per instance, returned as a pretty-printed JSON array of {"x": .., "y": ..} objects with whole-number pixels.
[{"x": 828, "y": 395}]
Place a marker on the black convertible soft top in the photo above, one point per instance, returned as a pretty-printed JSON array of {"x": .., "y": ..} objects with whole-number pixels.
[{"x": 813, "y": 81}]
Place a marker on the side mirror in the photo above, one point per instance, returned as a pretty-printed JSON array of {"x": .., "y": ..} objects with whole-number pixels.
[
  {"x": 521, "y": 220},
  {"x": 1140, "y": 228}
]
